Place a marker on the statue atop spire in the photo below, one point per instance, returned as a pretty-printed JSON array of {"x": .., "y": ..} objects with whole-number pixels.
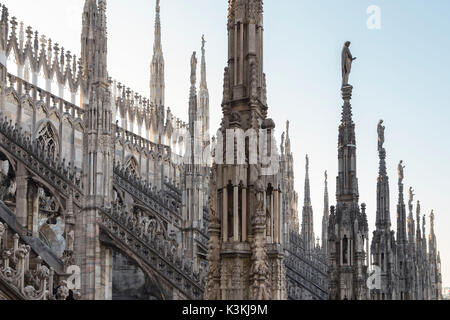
[
  {"x": 348, "y": 229},
  {"x": 383, "y": 235}
]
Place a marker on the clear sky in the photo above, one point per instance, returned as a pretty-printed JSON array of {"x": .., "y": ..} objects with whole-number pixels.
[{"x": 402, "y": 75}]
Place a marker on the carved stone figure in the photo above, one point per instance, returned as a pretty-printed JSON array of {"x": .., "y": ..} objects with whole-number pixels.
[
  {"x": 380, "y": 130},
  {"x": 400, "y": 169},
  {"x": 70, "y": 240},
  {"x": 347, "y": 60},
  {"x": 193, "y": 68},
  {"x": 63, "y": 291}
]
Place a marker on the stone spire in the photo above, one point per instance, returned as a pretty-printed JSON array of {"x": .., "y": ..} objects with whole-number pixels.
[
  {"x": 411, "y": 224},
  {"x": 246, "y": 244},
  {"x": 94, "y": 44},
  {"x": 98, "y": 152},
  {"x": 347, "y": 181},
  {"x": 290, "y": 196},
  {"x": 348, "y": 229},
  {"x": 420, "y": 284},
  {"x": 203, "y": 98},
  {"x": 383, "y": 218},
  {"x": 307, "y": 215},
  {"x": 325, "y": 218},
  {"x": 412, "y": 247},
  {"x": 425, "y": 261},
  {"x": 402, "y": 241},
  {"x": 157, "y": 82},
  {"x": 418, "y": 232},
  {"x": 434, "y": 272},
  {"x": 383, "y": 248}
]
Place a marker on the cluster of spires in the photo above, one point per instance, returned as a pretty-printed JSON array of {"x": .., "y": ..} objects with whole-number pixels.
[{"x": 34, "y": 55}]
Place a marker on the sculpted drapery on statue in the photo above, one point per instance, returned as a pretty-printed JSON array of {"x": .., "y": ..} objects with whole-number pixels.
[
  {"x": 193, "y": 68},
  {"x": 381, "y": 129},
  {"x": 347, "y": 60},
  {"x": 400, "y": 171}
]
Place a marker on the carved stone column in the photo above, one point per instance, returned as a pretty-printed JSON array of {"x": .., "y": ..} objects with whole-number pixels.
[
  {"x": 261, "y": 288},
  {"x": 21, "y": 194}
]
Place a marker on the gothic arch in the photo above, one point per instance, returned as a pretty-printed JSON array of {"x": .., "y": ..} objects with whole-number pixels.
[
  {"x": 47, "y": 135},
  {"x": 133, "y": 165},
  {"x": 153, "y": 216},
  {"x": 7, "y": 180}
]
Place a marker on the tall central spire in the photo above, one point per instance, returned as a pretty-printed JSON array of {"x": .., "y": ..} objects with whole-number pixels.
[
  {"x": 348, "y": 227},
  {"x": 157, "y": 84},
  {"x": 246, "y": 244}
]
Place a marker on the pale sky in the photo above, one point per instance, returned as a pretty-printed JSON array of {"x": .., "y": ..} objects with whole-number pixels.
[{"x": 401, "y": 75}]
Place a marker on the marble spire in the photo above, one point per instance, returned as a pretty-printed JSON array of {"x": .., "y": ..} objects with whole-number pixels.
[
  {"x": 307, "y": 215},
  {"x": 157, "y": 84},
  {"x": 325, "y": 218}
]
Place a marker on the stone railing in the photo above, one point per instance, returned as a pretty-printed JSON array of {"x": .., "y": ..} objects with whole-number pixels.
[
  {"x": 136, "y": 140},
  {"x": 173, "y": 190},
  {"x": 25, "y": 275},
  {"x": 307, "y": 270},
  {"x": 157, "y": 201},
  {"x": 47, "y": 100},
  {"x": 54, "y": 171},
  {"x": 160, "y": 254}
]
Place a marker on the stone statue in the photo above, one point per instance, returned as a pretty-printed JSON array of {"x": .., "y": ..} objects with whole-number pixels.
[
  {"x": 193, "y": 68},
  {"x": 2, "y": 231},
  {"x": 70, "y": 240},
  {"x": 259, "y": 192},
  {"x": 203, "y": 44},
  {"x": 380, "y": 135},
  {"x": 411, "y": 195},
  {"x": 62, "y": 292},
  {"x": 400, "y": 171},
  {"x": 347, "y": 60}
]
